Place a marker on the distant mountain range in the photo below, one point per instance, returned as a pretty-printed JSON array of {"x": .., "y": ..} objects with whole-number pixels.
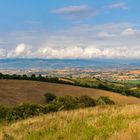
[{"x": 51, "y": 64}]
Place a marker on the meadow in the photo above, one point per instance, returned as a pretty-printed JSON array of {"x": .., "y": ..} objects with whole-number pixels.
[
  {"x": 98, "y": 123},
  {"x": 135, "y": 82}
]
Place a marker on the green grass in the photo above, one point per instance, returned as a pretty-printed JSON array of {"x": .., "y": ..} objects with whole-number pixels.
[
  {"x": 74, "y": 129},
  {"x": 135, "y": 82},
  {"x": 99, "y": 123}
]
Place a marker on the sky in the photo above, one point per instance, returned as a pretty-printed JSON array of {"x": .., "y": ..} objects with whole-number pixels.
[{"x": 70, "y": 29}]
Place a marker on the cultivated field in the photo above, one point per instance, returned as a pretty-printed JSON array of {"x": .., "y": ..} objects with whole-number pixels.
[
  {"x": 99, "y": 123},
  {"x": 14, "y": 92}
]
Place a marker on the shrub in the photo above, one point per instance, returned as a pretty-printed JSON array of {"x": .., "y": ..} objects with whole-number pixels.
[
  {"x": 86, "y": 101},
  {"x": 49, "y": 97},
  {"x": 3, "y": 112},
  {"x": 67, "y": 103},
  {"x": 103, "y": 100},
  {"x": 24, "y": 111},
  {"x": 52, "y": 107},
  {"x": 103, "y": 86}
]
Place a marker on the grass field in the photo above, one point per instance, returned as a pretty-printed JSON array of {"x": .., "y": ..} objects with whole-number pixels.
[
  {"x": 99, "y": 123},
  {"x": 13, "y": 92},
  {"x": 135, "y": 82}
]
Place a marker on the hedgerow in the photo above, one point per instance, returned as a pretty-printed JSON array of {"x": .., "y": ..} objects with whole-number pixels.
[{"x": 24, "y": 111}]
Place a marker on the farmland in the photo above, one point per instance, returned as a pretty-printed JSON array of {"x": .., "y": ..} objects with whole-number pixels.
[{"x": 13, "y": 92}]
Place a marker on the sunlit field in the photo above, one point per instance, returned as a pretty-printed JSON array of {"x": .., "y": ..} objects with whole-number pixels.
[{"x": 99, "y": 123}]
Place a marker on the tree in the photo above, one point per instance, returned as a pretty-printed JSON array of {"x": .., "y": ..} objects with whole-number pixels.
[
  {"x": 49, "y": 97},
  {"x": 1, "y": 75}
]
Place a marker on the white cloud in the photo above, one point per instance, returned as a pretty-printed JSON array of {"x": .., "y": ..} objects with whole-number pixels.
[
  {"x": 88, "y": 52},
  {"x": 71, "y": 52},
  {"x": 2, "y": 53},
  {"x": 112, "y": 40},
  {"x": 81, "y": 11},
  {"x": 118, "y": 5},
  {"x": 129, "y": 31},
  {"x": 85, "y": 11},
  {"x": 22, "y": 50},
  {"x": 103, "y": 35}
]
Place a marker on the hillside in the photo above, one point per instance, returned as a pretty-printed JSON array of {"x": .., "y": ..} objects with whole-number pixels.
[
  {"x": 99, "y": 123},
  {"x": 14, "y": 92}
]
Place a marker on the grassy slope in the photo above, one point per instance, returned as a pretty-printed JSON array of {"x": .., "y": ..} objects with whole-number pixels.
[
  {"x": 99, "y": 123},
  {"x": 13, "y": 92}
]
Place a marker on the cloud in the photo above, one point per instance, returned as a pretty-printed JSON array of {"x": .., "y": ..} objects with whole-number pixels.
[
  {"x": 86, "y": 11},
  {"x": 22, "y": 50},
  {"x": 2, "y": 53},
  {"x": 129, "y": 31},
  {"x": 71, "y": 52},
  {"x": 89, "y": 52},
  {"x": 119, "y": 5},
  {"x": 111, "y": 40},
  {"x": 70, "y": 12},
  {"x": 103, "y": 35}
]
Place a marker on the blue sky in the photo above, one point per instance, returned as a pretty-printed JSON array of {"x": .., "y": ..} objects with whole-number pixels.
[{"x": 69, "y": 28}]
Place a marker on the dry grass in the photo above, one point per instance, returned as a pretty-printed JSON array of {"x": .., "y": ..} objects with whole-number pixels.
[
  {"x": 99, "y": 123},
  {"x": 14, "y": 92}
]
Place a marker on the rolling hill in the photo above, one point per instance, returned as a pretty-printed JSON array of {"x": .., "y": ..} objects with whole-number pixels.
[
  {"x": 13, "y": 92},
  {"x": 98, "y": 123}
]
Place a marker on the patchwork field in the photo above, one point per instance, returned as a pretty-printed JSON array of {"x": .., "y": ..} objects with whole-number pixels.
[{"x": 14, "y": 92}]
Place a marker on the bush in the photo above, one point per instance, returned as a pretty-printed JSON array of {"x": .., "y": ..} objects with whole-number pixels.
[
  {"x": 52, "y": 107},
  {"x": 24, "y": 111},
  {"x": 67, "y": 103},
  {"x": 3, "y": 112},
  {"x": 103, "y": 100},
  {"x": 49, "y": 97},
  {"x": 55, "y": 104},
  {"x": 86, "y": 101}
]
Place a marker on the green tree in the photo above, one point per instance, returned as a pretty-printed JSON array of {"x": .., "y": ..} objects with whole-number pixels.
[{"x": 49, "y": 97}]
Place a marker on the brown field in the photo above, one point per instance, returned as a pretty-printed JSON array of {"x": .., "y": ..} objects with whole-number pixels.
[{"x": 14, "y": 92}]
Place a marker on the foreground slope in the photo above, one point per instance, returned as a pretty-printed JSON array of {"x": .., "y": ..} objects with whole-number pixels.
[
  {"x": 99, "y": 123},
  {"x": 14, "y": 92}
]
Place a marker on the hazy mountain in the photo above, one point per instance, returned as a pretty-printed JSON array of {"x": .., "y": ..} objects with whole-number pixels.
[{"x": 68, "y": 63}]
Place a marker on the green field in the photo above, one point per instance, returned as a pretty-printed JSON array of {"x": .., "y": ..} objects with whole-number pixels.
[{"x": 135, "y": 82}]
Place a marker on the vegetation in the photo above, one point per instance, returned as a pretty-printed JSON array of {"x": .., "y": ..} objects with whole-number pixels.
[
  {"x": 32, "y": 77},
  {"x": 86, "y": 101},
  {"x": 98, "y": 123},
  {"x": 15, "y": 92},
  {"x": 53, "y": 104},
  {"x": 118, "y": 87},
  {"x": 49, "y": 97},
  {"x": 84, "y": 123},
  {"x": 124, "y": 89},
  {"x": 134, "y": 82},
  {"x": 104, "y": 100}
]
